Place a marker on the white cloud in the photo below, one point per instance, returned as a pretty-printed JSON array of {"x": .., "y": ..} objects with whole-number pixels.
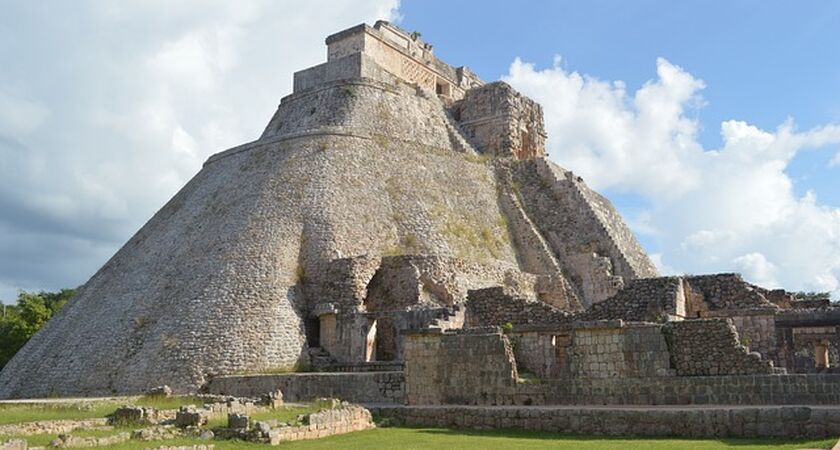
[
  {"x": 756, "y": 267},
  {"x": 835, "y": 161},
  {"x": 19, "y": 116},
  {"x": 730, "y": 208},
  {"x": 108, "y": 108}
]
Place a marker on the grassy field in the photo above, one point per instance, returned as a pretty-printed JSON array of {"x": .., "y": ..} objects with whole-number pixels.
[
  {"x": 21, "y": 412},
  {"x": 423, "y": 438},
  {"x": 380, "y": 438}
]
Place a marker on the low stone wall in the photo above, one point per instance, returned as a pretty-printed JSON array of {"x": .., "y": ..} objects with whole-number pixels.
[
  {"x": 325, "y": 423},
  {"x": 342, "y": 419},
  {"x": 50, "y": 426},
  {"x": 361, "y": 387},
  {"x": 799, "y": 389},
  {"x": 812, "y": 422}
]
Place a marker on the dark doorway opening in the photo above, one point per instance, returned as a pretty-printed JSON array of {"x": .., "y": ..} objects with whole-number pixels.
[{"x": 312, "y": 326}]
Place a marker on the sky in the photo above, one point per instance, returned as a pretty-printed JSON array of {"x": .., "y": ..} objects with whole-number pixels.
[{"x": 713, "y": 126}]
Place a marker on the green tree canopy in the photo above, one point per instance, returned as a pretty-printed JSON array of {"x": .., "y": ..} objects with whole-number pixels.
[
  {"x": 812, "y": 295},
  {"x": 22, "y": 320}
]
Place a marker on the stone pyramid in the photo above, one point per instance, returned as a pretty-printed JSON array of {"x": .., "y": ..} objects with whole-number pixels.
[{"x": 388, "y": 181}]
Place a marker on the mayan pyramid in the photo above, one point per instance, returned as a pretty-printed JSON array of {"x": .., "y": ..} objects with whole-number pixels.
[{"x": 387, "y": 182}]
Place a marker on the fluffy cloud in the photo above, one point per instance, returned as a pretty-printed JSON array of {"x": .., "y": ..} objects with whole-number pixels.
[
  {"x": 835, "y": 161},
  {"x": 108, "y": 108},
  {"x": 731, "y": 208}
]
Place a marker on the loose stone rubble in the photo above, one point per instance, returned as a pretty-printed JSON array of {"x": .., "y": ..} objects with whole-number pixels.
[
  {"x": 13, "y": 444},
  {"x": 160, "y": 391},
  {"x": 338, "y": 419}
]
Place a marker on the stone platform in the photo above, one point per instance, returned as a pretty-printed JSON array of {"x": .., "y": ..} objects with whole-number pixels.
[
  {"x": 357, "y": 387},
  {"x": 708, "y": 421}
]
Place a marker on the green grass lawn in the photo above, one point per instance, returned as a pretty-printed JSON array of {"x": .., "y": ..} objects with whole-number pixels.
[
  {"x": 380, "y": 438},
  {"x": 425, "y": 438},
  {"x": 415, "y": 438},
  {"x": 22, "y": 412}
]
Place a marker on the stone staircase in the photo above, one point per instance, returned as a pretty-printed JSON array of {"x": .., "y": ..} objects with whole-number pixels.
[
  {"x": 450, "y": 318},
  {"x": 456, "y": 135},
  {"x": 320, "y": 359}
]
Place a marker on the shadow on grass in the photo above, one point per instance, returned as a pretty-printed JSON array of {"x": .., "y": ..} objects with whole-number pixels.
[{"x": 547, "y": 435}]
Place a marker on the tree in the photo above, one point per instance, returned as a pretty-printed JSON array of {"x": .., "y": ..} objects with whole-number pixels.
[
  {"x": 812, "y": 295},
  {"x": 21, "y": 321}
]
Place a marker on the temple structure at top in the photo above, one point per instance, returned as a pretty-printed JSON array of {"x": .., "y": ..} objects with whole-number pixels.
[{"x": 364, "y": 52}]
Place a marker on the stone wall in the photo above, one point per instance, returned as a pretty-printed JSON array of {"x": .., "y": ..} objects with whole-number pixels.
[
  {"x": 472, "y": 367},
  {"x": 361, "y": 387},
  {"x": 496, "y": 307},
  {"x": 727, "y": 291},
  {"x": 328, "y": 422},
  {"x": 500, "y": 122},
  {"x": 756, "y": 329},
  {"x": 712, "y": 422},
  {"x": 354, "y": 296},
  {"x": 799, "y": 389},
  {"x": 610, "y": 350},
  {"x": 400, "y": 53},
  {"x": 540, "y": 351},
  {"x": 647, "y": 299},
  {"x": 711, "y": 347},
  {"x": 420, "y": 280}
]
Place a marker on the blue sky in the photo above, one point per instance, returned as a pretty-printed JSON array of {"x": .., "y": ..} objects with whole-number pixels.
[
  {"x": 711, "y": 125},
  {"x": 763, "y": 61}
]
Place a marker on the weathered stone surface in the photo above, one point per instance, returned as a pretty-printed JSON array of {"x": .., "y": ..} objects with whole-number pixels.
[
  {"x": 365, "y": 159},
  {"x": 160, "y": 391},
  {"x": 190, "y": 416},
  {"x": 14, "y": 444},
  {"x": 238, "y": 421},
  {"x": 473, "y": 366},
  {"x": 496, "y": 307},
  {"x": 51, "y": 426},
  {"x": 273, "y": 399},
  {"x": 156, "y": 433},
  {"x": 134, "y": 415},
  {"x": 364, "y": 387},
  {"x": 70, "y": 441},
  {"x": 706, "y": 422},
  {"x": 711, "y": 347},
  {"x": 339, "y": 419}
]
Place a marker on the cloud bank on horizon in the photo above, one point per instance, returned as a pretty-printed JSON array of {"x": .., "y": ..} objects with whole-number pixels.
[{"x": 727, "y": 209}]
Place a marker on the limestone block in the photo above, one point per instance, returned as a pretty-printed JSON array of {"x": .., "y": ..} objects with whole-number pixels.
[
  {"x": 190, "y": 416},
  {"x": 238, "y": 421}
]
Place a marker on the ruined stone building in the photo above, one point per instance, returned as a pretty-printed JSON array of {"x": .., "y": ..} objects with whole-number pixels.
[{"x": 394, "y": 204}]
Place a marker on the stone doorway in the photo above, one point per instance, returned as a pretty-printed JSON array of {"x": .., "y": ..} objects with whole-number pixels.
[
  {"x": 312, "y": 327},
  {"x": 386, "y": 340}
]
